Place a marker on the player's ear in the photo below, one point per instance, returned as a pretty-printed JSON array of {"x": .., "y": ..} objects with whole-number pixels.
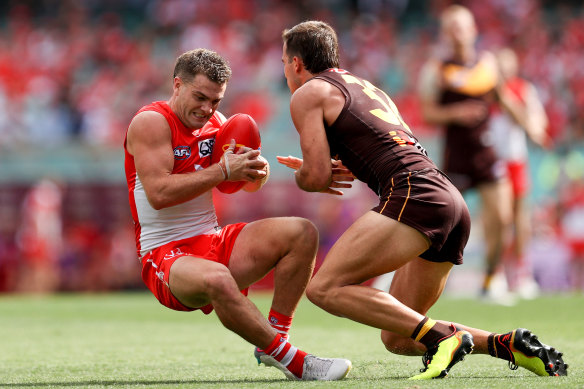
[
  {"x": 176, "y": 83},
  {"x": 298, "y": 64}
]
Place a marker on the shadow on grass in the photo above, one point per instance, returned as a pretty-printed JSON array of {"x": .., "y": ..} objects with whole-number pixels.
[{"x": 137, "y": 382}]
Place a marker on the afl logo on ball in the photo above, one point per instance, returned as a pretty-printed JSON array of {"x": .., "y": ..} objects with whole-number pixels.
[{"x": 182, "y": 152}]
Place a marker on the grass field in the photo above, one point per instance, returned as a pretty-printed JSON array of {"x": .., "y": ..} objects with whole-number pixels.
[{"x": 129, "y": 340}]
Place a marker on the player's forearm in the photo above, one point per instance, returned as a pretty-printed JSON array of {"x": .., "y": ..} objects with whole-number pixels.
[
  {"x": 178, "y": 188},
  {"x": 537, "y": 118},
  {"x": 439, "y": 114},
  {"x": 514, "y": 108},
  {"x": 311, "y": 182}
]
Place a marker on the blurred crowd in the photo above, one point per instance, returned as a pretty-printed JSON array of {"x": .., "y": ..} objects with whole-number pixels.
[
  {"x": 77, "y": 71},
  {"x": 64, "y": 237},
  {"x": 82, "y": 68}
]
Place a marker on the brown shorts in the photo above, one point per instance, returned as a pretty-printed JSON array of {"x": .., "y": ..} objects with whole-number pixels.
[
  {"x": 467, "y": 170},
  {"x": 427, "y": 201}
]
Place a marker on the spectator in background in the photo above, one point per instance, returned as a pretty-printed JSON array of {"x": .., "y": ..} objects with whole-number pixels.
[
  {"x": 510, "y": 143},
  {"x": 40, "y": 238},
  {"x": 457, "y": 91},
  {"x": 9, "y": 253},
  {"x": 571, "y": 210}
]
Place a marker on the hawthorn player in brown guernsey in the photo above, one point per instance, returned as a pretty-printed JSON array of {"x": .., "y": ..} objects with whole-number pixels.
[
  {"x": 459, "y": 92},
  {"x": 418, "y": 229},
  {"x": 377, "y": 146},
  {"x": 469, "y": 157}
]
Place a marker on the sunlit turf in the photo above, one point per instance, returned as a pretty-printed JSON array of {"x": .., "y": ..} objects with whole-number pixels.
[{"x": 129, "y": 340}]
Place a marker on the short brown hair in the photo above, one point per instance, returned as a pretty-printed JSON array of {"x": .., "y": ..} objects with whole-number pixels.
[
  {"x": 315, "y": 42},
  {"x": 202, "y": 61}
]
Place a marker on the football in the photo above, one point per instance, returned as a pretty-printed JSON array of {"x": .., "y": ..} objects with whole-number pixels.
[{"x": 244, "y": 130}]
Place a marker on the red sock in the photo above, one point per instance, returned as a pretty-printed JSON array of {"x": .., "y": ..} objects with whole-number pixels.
[
  {"x": 281, "y": 323},
  {"x": 288, "y": 355}
]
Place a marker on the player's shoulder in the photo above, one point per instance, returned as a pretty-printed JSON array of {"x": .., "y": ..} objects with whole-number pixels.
[
  {"x": 488, "y": 57},
  {"x": 429, "y": 77},
  {"x": 431, "y": 68},
  {"x": 148, "y": 118},
  {"x": 487, "y": 54},
  {"x": 155, "y": 111},
  {"x": 314, "y": 91},
  {"x": 433, "y": 62},
  {"x": 148, "y": 125}
]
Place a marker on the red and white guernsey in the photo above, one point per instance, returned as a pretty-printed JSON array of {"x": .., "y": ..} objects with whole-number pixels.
[
  {"x": 508, "y": 137},
  {"x": 192, "y": 152}
]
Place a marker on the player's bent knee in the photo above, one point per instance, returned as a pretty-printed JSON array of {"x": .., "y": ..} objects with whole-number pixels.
[
  {"x": 319, "y": 294},
  {"x": 305, "y": 233},
  {"x": 398, "y": 344},
  {"x": 219, "y": 284},
  {"x": 313, "y": 293}
]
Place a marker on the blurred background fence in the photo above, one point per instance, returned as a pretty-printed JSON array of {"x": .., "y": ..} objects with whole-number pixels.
[{"x": 73, "y": 74}]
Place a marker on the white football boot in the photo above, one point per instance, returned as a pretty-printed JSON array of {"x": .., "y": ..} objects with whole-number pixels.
[{"x": 314, "y": 369}]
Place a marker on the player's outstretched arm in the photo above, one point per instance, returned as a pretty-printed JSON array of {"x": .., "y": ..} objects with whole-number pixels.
[
  {"x": 537, "y": 119},
  {"x": 466, "y": 113},
  {"x": 293, "y": 163},
  {"x": 341, "y": 177},
  {"x": 315, "y": 172}
]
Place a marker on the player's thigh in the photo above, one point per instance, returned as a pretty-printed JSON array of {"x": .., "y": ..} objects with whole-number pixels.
[
  {"x": 420, "y": 283},
  {"x": 373, "y": 245},
  {"x": 497, "y": 202},
  {"x": 261, "y": 244},
  {"x": 193, "y": 281}
]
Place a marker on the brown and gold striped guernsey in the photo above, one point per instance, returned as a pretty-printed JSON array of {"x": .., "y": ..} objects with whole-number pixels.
[
  {"x": 469, "y": 157},
  {"x": 370, "y": 136}
]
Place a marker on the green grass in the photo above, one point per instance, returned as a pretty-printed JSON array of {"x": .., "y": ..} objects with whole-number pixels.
[{"x": 129, "y": 340}]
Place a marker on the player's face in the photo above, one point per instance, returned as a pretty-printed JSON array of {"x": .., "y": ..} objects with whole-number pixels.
[
  {"x": 460, "y": 29},
  {"x": 291, "y": 78},
  {"x": 197, "y": 100}
]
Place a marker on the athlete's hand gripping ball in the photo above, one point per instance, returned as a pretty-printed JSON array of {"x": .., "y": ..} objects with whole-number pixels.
[
  {"x": 256, "y": 185},
  {"x": 236, "y": 149}
]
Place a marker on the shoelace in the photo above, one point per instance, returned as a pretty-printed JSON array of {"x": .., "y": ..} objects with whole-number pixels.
[
  {"x": 427, "y": 358},
  {"x": 511, "y": 364},
  {"x": 317, "y": 367}
]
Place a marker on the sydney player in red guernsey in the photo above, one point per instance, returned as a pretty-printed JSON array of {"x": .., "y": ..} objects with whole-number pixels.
[
  {"x": 418, "y": 230},
  {"x": 188, "y": 261},
  {"x": 510, "y": 140}
]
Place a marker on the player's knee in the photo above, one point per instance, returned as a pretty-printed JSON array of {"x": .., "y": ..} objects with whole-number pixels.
[
  {"x": 497, "y": 220},
  {"x": 305, "y": 233},
  {"x": 398, "y": 344},
  {"x": 388, "y": 340},
  {"x": 392, "y": 342},
  {"x": 313, "y": 292},
  {"x": 219, "y": 284},
  {"x": 318, "y": 293}
]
